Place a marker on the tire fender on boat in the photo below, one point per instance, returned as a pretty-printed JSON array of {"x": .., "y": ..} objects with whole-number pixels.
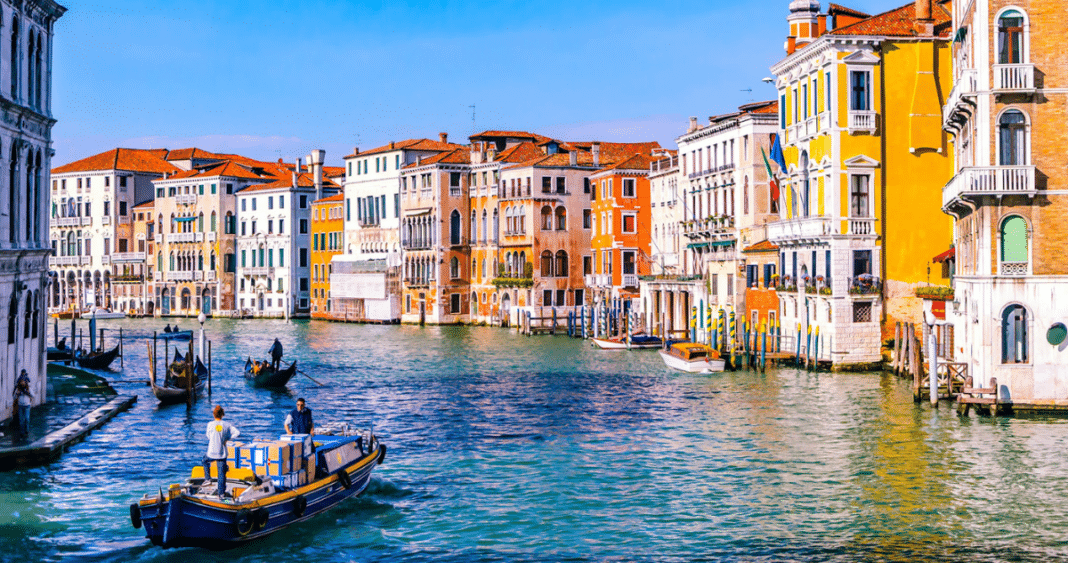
[
  {"x": 344, "y": 478},
  {"x": 382, "y": 454},
  {"x": 243, "y": 521},
  {"x": 300, "y": 504},
  {"x": 135, "y": 516},
  {"x": 260, "y": 518}
]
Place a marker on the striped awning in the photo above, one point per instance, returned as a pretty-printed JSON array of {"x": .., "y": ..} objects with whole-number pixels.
[{"x": 696, "y": 245}]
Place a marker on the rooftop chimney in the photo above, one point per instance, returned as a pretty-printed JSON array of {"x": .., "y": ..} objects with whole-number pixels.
[
  {"x": 791, "y": 45},
  {"x": 296, "y": 170},
  {"x": 392, "y": 144},
  {"x": 315, "y": 163},
  {"x": 693, "y": 124},
  {"x": 821, "y": 25},
  {"x": 595, "y": 149},
  {"x": 355, "y": 150},
  {"x": 924, "y": 20},
  {"x": 574, "y": 157},
  {"x": 444, "y": 137}
]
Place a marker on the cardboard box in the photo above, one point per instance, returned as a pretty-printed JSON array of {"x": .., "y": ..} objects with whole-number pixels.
[
  {"x": 309, "y": 467},
  {"x": 305, "y": 441},
  {"x": 270, "y": 458},
  {"x": 291, "y": 480}
]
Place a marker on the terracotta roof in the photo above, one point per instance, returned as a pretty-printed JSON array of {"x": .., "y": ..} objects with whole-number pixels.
[
  {"x": 145, "y": 205},
  {"x": 635, "y": 162},
  {"x": 190, "y": 153},
  {"x": 762, "y": 246},
  {"x": 335, "y": 197},
  {"x": 771, "y": 106},
  {"x": 614, "y": 152},
  {"x": 558, "y": 160},
  {"x": 900, "y": 22},
  {"x": 494, "y": 134},
  {"x": 410, "y": 144},
  {"x": 458, "y": 156},
  {"x": 519, "y": 153},
  {"x": 835, "y": 9},
  {"x": 132, "y": 160},
  {"x": 304, "y": 180},
  {"x": 227, "y": 168}
]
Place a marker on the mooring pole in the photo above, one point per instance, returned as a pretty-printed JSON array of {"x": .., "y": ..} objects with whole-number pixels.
[
  {"x": 763, "y": 348},
  {"x": 933, "y": 363},
  {"x": 209, "y": 368}
]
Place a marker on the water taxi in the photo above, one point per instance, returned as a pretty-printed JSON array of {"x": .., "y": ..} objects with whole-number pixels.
[
  {"x": 255, "y": 503},
  {"x": 637, "y": 342},
  {"x": 693, "y": 357}
]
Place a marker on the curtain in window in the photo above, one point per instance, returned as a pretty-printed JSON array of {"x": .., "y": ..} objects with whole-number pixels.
[
  {"x": 1010, "y": 38},
  {"x": 1012, "y": 132}
]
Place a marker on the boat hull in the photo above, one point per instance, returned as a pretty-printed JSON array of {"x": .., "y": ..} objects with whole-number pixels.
[
  {"x": 622, "y": 345},
  {"x": 180, "y": 335},
  {"x": 186, "y": 521},
  {"x": 703, "y": 365}
]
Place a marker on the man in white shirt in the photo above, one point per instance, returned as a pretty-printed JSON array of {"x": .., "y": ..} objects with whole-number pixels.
[{"x": 218, "y": 433}]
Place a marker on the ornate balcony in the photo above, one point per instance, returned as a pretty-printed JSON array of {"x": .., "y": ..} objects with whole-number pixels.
[
  {"x": 68, "y": 261},
  {"x": 961, "y": 101},
  {"x": 861, "y": 122},
  {"x": 259, "y": 271},
  {"x": 71, "y": 221},
  {"x": 861, "y": 226},
  {"x": 630, "y": 280},
  {"x": 180, "y": 276},
  {"x": 997, "y": 181},
  {"x": 598, "y": 280},
  {"x": 185, "y": 237},
  {"x": 1014, "y": 78},
  {"x": 127, "y": 257},
  {"x": 1012, "y": 268},
  {"x": 801, "y": 230},
  {"x": 185, "y": 199}
]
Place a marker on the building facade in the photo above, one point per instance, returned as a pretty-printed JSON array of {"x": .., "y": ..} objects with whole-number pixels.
[
  {"x": 864, "y": 158},
  {"x": 328, "y": 240},
  {"x": 1009, "y": 197},
  {"x": 620, "y": 222},
  {"x": 26, "y": 143}
]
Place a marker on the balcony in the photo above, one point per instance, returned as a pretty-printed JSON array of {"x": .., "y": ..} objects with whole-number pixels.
[
  {"x": 1014, "y": 78},
  {"x": 158, "y": 276},
  {"x": 598, "y": 280},
  {"x": 180, "y": 276},
  {"x": 68, "y": 261},
  {"x": 185, "y": 237},
  {"x": 210, "y": 237},
  {"x": 997, "y": 181},
  {"x": 71, "y": 221},
  {"x": 708, "y": 227},
  {"x": 105, "y": 259},
  {"x": 198, "y": 275},
  {"x": 158, "y": 238},
  {"x": 1015, "y": 269},
  {"x": 630, "y": 280},
  {"x": 259, "y": 271},
  {"x": 127, "y": 257},
  {"x": 865, "y": 284},
  {"x": 185, "y": 199},
  {"x": 960, "y": 104},
  {"x": 209, "y": 275},
  {"x": 861, "y": 226},
  {"x": 861, "y": 122},
  {"x": 801, "y": 230},
  {"x": 105, "y": 220}
]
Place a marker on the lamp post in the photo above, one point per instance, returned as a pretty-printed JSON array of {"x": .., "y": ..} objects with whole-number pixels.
[{"x": 201, "y": 318}]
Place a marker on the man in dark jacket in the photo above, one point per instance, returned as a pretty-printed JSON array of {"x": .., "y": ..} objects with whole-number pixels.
[{"x": 299, "y": 420}]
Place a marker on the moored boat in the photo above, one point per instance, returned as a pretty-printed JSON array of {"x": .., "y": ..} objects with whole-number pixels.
[
  {"x": 637, "y": 342},
  {"x": 194, "y": 515},
  {"x": 59, "y": 352},
  {"x": 100, "y": 360},
  {"x": 106, "y": 314},
  {"x": 176, "y": 385},
  {"x": 693, "y": 357}
]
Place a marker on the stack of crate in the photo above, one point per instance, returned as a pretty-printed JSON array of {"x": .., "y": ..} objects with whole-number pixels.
[
  {"x": 280, "y": 460},
  {"x": 306, "y": 450}
]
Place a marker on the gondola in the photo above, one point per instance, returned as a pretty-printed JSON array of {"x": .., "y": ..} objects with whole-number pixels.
[
  {"x": 175, "y": 388},
  {"x": 257, "y": 502},
  {"x": 267, "y": 376},
  {"x": 97, "y": 360},
  {"x": 59, "y": 352},
  {"x": 175, "y": 335}
]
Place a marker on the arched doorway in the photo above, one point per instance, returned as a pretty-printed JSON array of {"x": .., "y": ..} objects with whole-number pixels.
[
  {"x": 259, "y": 303},
  {"x": 506, "y": 309},
  {"x": 205, "y": 301},
  {"x": 186, "y": 298},
  {"x": 165, "y": 301}
]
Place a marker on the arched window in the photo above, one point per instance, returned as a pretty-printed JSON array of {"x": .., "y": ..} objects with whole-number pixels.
[
  {"x": 484, "y": 268},
  {"x": 212, "y": 260},
  {"x": 13, "y": 195},
  {"x": 200, "y": 222},
  {"x": 454, "y": 268},
  {"x": 229, "y": 226},
  {"x": 1014, "y": 335},
  {"x": 1014, "y": 249},
  {"x": 28, "y": 316},
  {"x": 508, "y": 271},
  {"x": 745, "y": 196},
  {"x": 31, "y": 97},
  {"x": 39, "y": 62},
  {"x": 14, "y": 63},
  {"x": 36, "y": 314},
  {"x": 454, "y": 227},
  {"x": 1011, "y": 39},
  {"x": 546, "y": 218},
  {"x": 159, "y": 261},
  {"x": 1012, "y": 138},
  {"x": 200, "y": 262},
  {"x": 561, "y": 218},
  {"x": 474, "y": 226},
  {"x": 172, "y": 261},
  {"x": 522, "y": 218},
  {"x": 496, "y": 225},
  {"x": 547, "y": 264},
  {"x": 561, "y": 264},
  {"x": 213, "y": 226},
  {"x": 12, "y": 319},
  {"x": 523, "y": 264}
]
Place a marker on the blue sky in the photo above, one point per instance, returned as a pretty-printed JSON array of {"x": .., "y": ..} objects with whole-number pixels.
[{"x": 278, "y": 79}]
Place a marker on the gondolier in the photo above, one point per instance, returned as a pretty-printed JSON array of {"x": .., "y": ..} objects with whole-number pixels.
[
  {"x": 299, "y": 420},
  {"x": 218, "y": 433},
  {"x": 276, "y": 354}
]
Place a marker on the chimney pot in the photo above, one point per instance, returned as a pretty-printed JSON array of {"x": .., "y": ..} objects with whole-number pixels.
[
  {"x": 822, "y": 25},
  {"x": 355, "y": 150},
  {"x": 693, "y": 124},
  {"x": 595, "y": 149},
  {"x": 923, "y": 10},
  {"x": 791, "y": 45},
  {"x": 574, "y": 158},
  {"x": 444, "y": 137}
]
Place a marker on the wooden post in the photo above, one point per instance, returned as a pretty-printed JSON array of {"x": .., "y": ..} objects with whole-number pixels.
[
  {"x": 55, "y": 332},
  {"x": 933, "y": 363},
  {"x": 554, "y": 322},
  {"x": 816, "y": 353},
  {"x": 209, "y": 368},
  {"x": 763, "y": 348},
  {"x": 153, "y": 355},
  {"x": 189, "y": 376},
  {"x": 895, "y": 354},
  {"x": 102, "y": 346},
  {"x": 797, "y": 357},
  {"x": 122, "y": 352},
  {"x": 914, "y": 361}
]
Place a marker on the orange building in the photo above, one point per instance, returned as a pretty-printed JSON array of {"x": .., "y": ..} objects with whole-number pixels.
[
  {"x": 327, "y": 233},
  {"x": 622, "y": 231}
]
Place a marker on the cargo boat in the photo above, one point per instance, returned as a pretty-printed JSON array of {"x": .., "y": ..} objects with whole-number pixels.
[{"x": 255, "y": 504}]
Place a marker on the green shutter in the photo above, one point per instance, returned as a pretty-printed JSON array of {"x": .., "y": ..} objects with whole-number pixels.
[{"x": 1014, "y": 240}]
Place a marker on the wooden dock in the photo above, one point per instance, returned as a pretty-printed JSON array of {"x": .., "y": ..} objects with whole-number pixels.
[{"x": 53, "y": 444}]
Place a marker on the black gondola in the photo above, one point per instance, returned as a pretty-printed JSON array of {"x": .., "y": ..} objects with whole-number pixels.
[
  {"x": 267, "y": 376},
  {"x": 59, "y": 352},
  {"x": 98, "y": 360},
  {"x": 175, "y": 388}
]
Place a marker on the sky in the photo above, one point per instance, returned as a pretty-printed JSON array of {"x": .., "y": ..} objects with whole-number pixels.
[{"x": 278, "y": 79}]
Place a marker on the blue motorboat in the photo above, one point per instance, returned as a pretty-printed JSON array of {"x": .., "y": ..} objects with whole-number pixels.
[{"x": 194, "y": 515}]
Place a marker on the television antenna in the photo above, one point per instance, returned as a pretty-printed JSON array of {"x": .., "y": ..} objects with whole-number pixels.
[{"x": 473, "y": 128}]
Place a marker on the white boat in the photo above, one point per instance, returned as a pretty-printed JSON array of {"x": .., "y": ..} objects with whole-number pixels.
[
  {"x": 636, "y": 343},
  {"x": 693, "y": 358},
  {"x": 105, "y": 314}
]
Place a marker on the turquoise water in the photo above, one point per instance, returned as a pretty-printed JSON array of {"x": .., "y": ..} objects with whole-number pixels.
[{"x": 509, "y": 448}]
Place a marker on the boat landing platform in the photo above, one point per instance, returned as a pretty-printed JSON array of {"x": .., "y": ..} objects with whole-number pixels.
[{"x": 50, "y": 437}]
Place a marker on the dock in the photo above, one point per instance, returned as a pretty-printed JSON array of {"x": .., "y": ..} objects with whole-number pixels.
[{"x": 51, "y": 445}]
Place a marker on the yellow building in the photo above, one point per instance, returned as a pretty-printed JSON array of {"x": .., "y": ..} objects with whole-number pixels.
[{"x": 865, "y": 161}]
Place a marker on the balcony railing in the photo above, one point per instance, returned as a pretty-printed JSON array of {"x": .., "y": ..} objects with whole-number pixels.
[
  {"x": 861, "y": 121},
  {"x": 989, "y": 181},
  {"x": 185, "y": 237},
  {"x": 105, "y": 259},
  {"x": 865, "y": 284},
  {"x": 965, "y": 87},
  {"x": 598, "y": 280},
  {"x": 72, "y": 221},
  {"x": 861, "y": 226},
  {"x": 180, "y": 276},
  {"x": 210, "y": 236},
  {"x": 808, "y": 228},
  {"x": 1013, "y": 268},
  {"x": 105, "y": 220},
  {"x": 630, "y": 280},
  {"x": 209, "y": 275},
  {"x": 185, "y": 199},
  {"x": 68, "y": 260},
  {"x": 127, "y": 257},
  {"x": 158, "y": 238},
  {"x": 259, "y": 271},
  {"x": 1014, "y": 78}
]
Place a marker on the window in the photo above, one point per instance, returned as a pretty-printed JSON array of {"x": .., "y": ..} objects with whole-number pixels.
[
  {"x": 454, "y": 180},
  {"x": 281, "y": 258},
  {"x": 585, "y": 185},
  {"x": 561, "y": 218},
  {"x": 804, "y": 98},
  {"x": 587, "y": 265},
  {"x": 561, "y": 184},
  {"x": 782, "y": 116},
  {"x": 587, "y": 218},
  {"x": 454, "y": 268},
  {"x": 862, "y": 311},
  {"x": 546, "y": 218},
  {"x": 303, "y": 257},
  {"x": 630, "y": 223},
  {"x": 827, "y": 91},
  {"x": 1012, "y": 138},
  {"x": 859, "y": 196},
  {"x": 546, "y": 263},
  {"x": 546, "y": 185},
  {"x": 454, "y": 227},
  {"x": 628, "y": 187},
  {"x": 303, "y": 202},
  {"x": 1014, "y": 249},
  {"x": 122, "y": 181},
  {"x": 769, "y": 272},
  {"x": 1014, "y": 335},
  {"x": 229, "y": 189},
  {"x": 303, "y": 226},
  {"x": 270, "y": 202},
  {"x": 253, "y": 204},
  {"x": 859, "y": 94},
  {"x": 243, "y": 201},
  {"x": 861, "y": 262},
  {"x": 1010, "y": 37},
  {"x": 547, "y": 298}
]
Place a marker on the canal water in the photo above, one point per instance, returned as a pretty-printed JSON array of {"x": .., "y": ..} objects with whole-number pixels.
[{"x": 509, "y": 448}]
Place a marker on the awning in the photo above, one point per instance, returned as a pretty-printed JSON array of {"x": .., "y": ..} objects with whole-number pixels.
[
  {"x": 722, "y": 243},
  {"x": 961, "y": 34},
  {"x": 696, "y": 245},
  {"x": 185, "y": 219},
  {"x": 947, "y": 255},
  {"x": 417, "y": 212}
]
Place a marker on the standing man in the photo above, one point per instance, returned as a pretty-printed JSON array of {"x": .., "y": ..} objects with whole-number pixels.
[
  {"x": 299, "y": 420},
  {"x": 218, "y": 432},
  {"x": 24, "y": 399}
]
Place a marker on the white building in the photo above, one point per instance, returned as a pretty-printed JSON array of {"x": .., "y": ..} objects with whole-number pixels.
[
  {"x": 92, "y": 223},
  {"x": 274, "y": 241},
  {"x": 26, "y": 142}
]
